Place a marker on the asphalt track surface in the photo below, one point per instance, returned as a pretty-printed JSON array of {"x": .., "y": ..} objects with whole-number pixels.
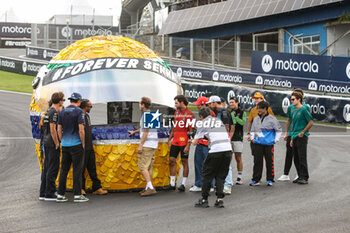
[{"x": 321, "y": 206}]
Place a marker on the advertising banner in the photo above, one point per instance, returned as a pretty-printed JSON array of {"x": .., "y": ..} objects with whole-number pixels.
[
  {"x": 40, "y": 53},
  {"x": 287, "y": 64},
  {"x": 77, "y": 32},
  {"x": 318, "y": 68},
  {"x": 105, "y": 80},
  {"x": 14, "y": 42},
  {"x": 325, "y": 109},
  {"x": 20, "y": 66}
]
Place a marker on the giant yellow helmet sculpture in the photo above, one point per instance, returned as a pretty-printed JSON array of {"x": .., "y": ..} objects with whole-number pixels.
[{"x": 110, "y": 69}]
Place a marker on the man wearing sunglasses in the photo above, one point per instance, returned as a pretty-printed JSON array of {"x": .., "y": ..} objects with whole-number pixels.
[
  {"x": 289, "y": 150},
  {"x": 89, "y": 155},
  {"x": 301, "y": 122}
]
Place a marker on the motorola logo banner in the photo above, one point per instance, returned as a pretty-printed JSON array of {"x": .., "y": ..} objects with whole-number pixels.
[
  {"x": 230, "y": 94},
  {"x": 267, "y": 63},
  {"x": 24, "y": 67},
  {"x": 348, "y": 70},
  {"x": 179, "y": 72},
  {"x": 346, "y": 112},
  {"x": 313, "y": 86},
  {"x": 66, "y": 32},
  {"x": 285, "y": 104},
  {"x": 216, "y": 76},
  {"x": 259, "y": 80}
]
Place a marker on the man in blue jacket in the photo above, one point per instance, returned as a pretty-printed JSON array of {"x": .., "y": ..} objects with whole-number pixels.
[{"x": 265, "y": 132}]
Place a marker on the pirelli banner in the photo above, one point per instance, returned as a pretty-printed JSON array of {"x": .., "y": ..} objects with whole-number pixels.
[
  {"x": 20, "y": 66},
  {"x": 41, "y": 53},
  {"x": 325, "y": 109},
  {"x": 112, "y": 79}
]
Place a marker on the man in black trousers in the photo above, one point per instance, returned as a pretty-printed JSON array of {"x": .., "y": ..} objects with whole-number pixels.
[
  {"x": 71, "y": 132},
  {"x": 51, "y": 147},
  {"x": 89, "y": 156}
]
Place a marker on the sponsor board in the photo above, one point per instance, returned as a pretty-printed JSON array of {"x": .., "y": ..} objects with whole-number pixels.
[
  {"x": 41, "y": 53},
  {"x": 302, "y": 66},
  {"x": 286, "y": 64},
  {"x": 14, "y": 43},
  {"x": 18, "y": 66},
  {"x": 321, "y": 108}
]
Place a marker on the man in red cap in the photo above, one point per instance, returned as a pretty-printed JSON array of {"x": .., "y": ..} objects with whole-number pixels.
[{"x": 201, "y": 151}]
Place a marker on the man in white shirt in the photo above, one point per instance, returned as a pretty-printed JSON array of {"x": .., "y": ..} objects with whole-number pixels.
[
  {"x": 218, "y": 160},
  {"x": 146, "y": 150}
]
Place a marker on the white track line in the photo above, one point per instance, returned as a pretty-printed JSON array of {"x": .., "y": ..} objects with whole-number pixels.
[
  {"x": 15, "y": 138},
  {"x": 15, "y": 92}
]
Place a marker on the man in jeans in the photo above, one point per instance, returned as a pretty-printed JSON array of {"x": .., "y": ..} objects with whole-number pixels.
[
  {"x": 51, "y": 146},
  {"x": 301, "y": 122},
  {"x": 201, "y": 151},
  {"x": 89, "y": 156},
  {"x": 147, "y": 149},
  {"x": 71, "y": 132},
  {"x": 217, "y": 163}
]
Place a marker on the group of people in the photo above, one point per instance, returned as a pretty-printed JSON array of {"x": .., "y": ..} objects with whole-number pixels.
[
  {"x": 67, "y": 129},
  {"x": 215, "y": 146},
  {"x": 217, "y": 139}
]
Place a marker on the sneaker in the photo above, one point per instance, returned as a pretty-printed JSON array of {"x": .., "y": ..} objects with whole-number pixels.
[
  {"x": 296, "y": 177},
  {"x": 239, "y": 181},
  {"x": 181, "y": 188},
  {"x": 296, "y": 180},
  {"x": 61, "y": 199},
  {"x": 50, "y": 198},
  {"x": 269, "y": 183},
  {"x": 81, "y": 198},
  {"x": 194, "y": 188},
  {"x": 227, "y": 190},
  {"x": 100, "y": 192},
  {"x": 41, "y": 198},
  {"x": 302, "y": 181},
  {"x": 254, "y": 183},
  {"x": 284, "y": 178},
  {"x": 148, "y": 192},
  {"x": 212, "y": 190},
  {"x": 172, "y": 188},
  {"x": 202, "y": 203},
  {"x": 219, "y": 204}
]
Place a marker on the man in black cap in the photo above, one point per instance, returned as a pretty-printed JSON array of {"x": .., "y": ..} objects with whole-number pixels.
[{"x": 71, "y": 132}]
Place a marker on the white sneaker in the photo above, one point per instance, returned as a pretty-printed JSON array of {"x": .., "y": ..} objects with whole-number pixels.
[
  {"x": 284, "y": 178},
  {"x": 195, "y": 189},
  {"x": 296, "y": 177},
  {"x": 227, "y": 190},
  {"x": 212, "y": 190}
]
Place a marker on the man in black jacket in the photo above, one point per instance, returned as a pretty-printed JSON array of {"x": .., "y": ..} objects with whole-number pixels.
[{"x": 89, "y": 155}]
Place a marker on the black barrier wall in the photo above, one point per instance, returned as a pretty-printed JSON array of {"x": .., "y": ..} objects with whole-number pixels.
[
  {"x": 324, "y": 109},
  {"x": 19, "y": 66}
]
